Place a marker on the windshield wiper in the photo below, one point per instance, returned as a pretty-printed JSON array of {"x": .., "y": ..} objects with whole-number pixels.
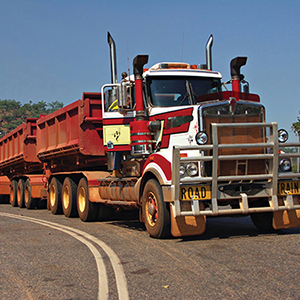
[{"x": 190, "y": 91}]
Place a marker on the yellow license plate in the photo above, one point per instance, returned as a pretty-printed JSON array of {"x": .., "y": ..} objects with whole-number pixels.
[
  {"x": 199, "y": 192},
  {"x": 288, "y": 188}
]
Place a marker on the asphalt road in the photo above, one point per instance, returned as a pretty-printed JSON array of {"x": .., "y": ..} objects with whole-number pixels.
[{"x": 43, "y": 256}]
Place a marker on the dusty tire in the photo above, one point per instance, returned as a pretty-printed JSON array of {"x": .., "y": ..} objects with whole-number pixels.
[
  {"x": 21, "y": 193},
  {"x": 156, "y": 215},
  {"x": 87, "y": 210},
  {"x": 69, "y": 198},
  {"x": 262, "y": 221},
  {"x": 55, "y": 188},
  {"x": 30, "y": 202},
  {"x": 13, "y": 193}
]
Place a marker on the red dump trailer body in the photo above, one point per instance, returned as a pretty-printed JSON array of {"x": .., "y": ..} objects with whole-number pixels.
[
  {"x": 18, "y": 151},
  {"x": 71, "y": 138},
  {"x": 21, "y": 170}
]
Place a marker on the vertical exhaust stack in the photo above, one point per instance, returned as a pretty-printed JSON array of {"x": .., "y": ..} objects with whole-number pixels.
[
  {"x": 235, "y": 71},
  {"x": 208, "y": 52},
  {"x": 141, "y": 139},
  {"x": 138, "y": 63},
  {"x": 113, "y": 58}
]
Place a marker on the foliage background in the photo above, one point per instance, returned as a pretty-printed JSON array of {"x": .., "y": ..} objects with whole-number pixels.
[{"x": 13, "y": 113}]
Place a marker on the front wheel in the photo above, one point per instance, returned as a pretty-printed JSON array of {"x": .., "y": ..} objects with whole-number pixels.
[
  {"x": 156, "y": 214},
  {"x": 87, "y": 210},
  {"x": 263, "y": 221}
]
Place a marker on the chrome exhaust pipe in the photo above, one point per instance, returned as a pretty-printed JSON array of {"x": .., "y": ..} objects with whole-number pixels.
[
  {"x": 208, "y": 52},
  {"x": 113, "y": 58}
]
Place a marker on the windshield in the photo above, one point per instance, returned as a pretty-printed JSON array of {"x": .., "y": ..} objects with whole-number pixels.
[{"x": 177, "y": 91}]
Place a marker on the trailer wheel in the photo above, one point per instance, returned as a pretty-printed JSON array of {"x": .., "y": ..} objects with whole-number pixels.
[
  {"x": 21, "y": 193},
  {"x": 55, "y": 188},
  {"x": 13, "y": 193},
  {"x": 69, "y": 194},
  {"x": 155, "y": 211},
  {"x": 30, "y": 202},
  {"x": 87, "y": 210}
]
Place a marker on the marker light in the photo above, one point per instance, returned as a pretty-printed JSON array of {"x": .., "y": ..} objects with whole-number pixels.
[
  {"x": 282, "y": 135},
  {"x": 285, "y": 165},
  {"x": 201, "y": 138}
]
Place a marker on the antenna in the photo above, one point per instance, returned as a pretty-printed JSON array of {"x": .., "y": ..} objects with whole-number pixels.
[
  {"x": 182, "y": 46},
  {"x": 128, "y": 61}
]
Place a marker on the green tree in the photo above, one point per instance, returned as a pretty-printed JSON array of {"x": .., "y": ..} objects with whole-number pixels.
[
  {"x": 13, "y": 113},
  {"x": 296, "y": 126}
]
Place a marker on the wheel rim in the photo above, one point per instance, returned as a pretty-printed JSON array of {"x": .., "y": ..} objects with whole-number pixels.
[
  {"x": 19, "y": 195},
  {"x": 11, "y": 195},
  {"x": 66, "y": 197},
  {"x": 26, "y": 194},
  {"x": 151, "y": 209},
  {"x": 52, "y": 195},
  {"x": 81, "y": 199}
]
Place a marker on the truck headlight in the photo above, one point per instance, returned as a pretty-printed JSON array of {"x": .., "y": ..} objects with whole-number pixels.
[
  {"x": 192, "y": 169},
  {"x": 201, "y": 138},
  {"x": 282, "y": 136},
  {"x": 285, "y": 165},
  {"x": 181, "y": 170}
]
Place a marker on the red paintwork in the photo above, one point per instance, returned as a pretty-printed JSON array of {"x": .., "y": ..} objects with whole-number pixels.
[
  {"x": 167, "y": 132},
  {"x": 164, "y": 164},
  {"x": 236, "y": 86},
  {"x": 139, "y": 95},
  {"x": 139, "y": 131},
  {"x": 18, "y": 150},
  {"x": 72, "y": 137},
  {"x": 4, "y": 185},
  {"x": 228, "y": 94}
]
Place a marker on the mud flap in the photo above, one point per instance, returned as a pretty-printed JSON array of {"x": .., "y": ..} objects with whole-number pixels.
[
  {"x": 287, "y": 218},
  {"x": 188, "y": 225}
]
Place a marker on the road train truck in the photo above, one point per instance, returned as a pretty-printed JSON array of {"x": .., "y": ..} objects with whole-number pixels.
[{"x": 172, "y": 141}]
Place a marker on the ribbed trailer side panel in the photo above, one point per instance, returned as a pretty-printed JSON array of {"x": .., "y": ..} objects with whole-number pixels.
[
  {"x": 71, "y": 138},
  {"x": 18, "y": 150}
]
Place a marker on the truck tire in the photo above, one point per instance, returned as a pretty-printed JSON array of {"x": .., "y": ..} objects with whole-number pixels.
[
  {"x": 21, "y": 193},
  {"x": 30, "y": 202},
  {"x": 13, "y": 193},
  {"x": 69, "y": 198},
  {"x": 262, "y": 221},
  {"x": 55, "y": 188},
  {"x": 87, "y": 210},
  {"x": 155, "y": 211}
]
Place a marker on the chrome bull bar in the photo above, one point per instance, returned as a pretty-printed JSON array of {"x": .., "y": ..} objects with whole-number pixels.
[{"x": 271, "y": 154}]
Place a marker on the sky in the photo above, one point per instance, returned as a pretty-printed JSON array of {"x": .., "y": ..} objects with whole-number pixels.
[{"x": 53, "y": 50}]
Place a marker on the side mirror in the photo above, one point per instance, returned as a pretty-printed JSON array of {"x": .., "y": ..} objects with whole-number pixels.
[{"x": 125, "y": 99}]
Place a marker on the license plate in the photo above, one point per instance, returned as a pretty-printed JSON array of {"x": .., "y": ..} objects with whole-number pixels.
[
  {"x": 288, "y": 188},
  {"x": 199, "y": 192}
]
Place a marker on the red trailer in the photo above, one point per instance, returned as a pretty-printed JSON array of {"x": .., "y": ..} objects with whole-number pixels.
[
  {"x": 70, "y": 145},
  {"x": 21, "y": 170}
]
